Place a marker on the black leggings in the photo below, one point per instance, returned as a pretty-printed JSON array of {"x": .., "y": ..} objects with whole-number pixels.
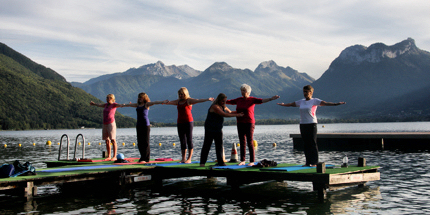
[
  {"x": 185, "y": 132},
  {"x": 309, "y": 136},
  {"x": 143, "y": 142},
  {"x": 209, "y": 138}
]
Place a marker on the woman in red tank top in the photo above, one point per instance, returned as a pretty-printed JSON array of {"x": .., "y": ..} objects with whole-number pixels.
[{"x": 185, "y": 121}]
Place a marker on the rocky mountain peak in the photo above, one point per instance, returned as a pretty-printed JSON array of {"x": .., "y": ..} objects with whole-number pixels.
[
  {"x": 219, "y": 66},
  {"x": 378, "y": 51},
  {"x": 268, "y": 66}
]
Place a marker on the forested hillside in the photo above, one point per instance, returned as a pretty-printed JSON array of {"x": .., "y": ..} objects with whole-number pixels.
[{"x": 35, "y": 97}]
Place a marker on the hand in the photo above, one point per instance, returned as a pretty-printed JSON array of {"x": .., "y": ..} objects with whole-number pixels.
[
  {"x": 165, "y": 102},
  {"x": 210, "y": 99},
  {"x": 240, "y": 114},
  {"x": 275, "y": 97},
  {"x": 92, "y": 103},
  {"x": 280, "y": 104},
  {"x": 341, "y": 103}
]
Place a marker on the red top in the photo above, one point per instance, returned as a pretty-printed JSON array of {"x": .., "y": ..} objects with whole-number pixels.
[
  {"x": 184, "y": 112},
  {"x": 245, "y": 106},
  {"x": 109, "y": 113}
]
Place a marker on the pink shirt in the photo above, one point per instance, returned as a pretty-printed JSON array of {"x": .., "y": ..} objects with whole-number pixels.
[
  {"x": 109, "y": 113},
  {"x": 245, "y": 106}
]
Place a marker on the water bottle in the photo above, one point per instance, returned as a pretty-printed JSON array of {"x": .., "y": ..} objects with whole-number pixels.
[{"x": 345, "y": 161}]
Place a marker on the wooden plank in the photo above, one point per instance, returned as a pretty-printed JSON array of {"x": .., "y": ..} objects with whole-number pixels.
[{"x": 354, "y": 178}]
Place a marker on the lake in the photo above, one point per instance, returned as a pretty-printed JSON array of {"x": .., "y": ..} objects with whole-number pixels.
[{"x": 404, "y": 187}]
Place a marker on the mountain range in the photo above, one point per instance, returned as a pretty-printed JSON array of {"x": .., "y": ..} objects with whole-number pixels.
[{"x": 377, "y": 82}]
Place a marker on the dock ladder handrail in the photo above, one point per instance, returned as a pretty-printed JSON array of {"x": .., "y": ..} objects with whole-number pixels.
[
  {"x": 61, "y": 143},
  {"x": 76, "y": 146}
]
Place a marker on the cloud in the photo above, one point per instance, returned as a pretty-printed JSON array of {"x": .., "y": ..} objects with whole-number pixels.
[{"x": 84, "y": 39}]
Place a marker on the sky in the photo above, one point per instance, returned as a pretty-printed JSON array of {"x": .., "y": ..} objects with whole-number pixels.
[{"x": 85, "y": 39}]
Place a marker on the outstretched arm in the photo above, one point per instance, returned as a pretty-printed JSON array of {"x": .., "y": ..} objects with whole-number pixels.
[
  {"x": 292, "y": 104},
  {"x": 149, "y": 104},
  {"x": 98, "y": 105},
  {"x": 217, "y": 109},
  {"x": 271, "y": 99},
  {"x": 129, "y": 105},
  {"x": 192, "y": 101},
  {"x": 324, "y": 103},
  {"x": 174, "y": 102}
]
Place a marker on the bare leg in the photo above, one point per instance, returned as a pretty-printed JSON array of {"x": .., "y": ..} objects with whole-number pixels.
[
  {"x": 115, "y": 150},
  {"x": 108, "y": 148},
  {"x": 184, "y": 153},
  {"x": 189, "y": 156}
]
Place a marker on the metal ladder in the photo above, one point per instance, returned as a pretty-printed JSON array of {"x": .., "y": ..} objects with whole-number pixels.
[{"x": 76, "y": 147}]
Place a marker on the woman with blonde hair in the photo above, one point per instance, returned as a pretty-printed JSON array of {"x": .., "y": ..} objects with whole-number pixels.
[
  {"x": 109, "y": 125},
  {"x": 143, "y": 126},
  {"x": 185, "y": 121}
]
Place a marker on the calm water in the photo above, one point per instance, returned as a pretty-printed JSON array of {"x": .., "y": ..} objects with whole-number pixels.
[{"x": 404, "y": 187}]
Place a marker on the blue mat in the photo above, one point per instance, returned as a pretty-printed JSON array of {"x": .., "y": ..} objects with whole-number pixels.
[
  {"x": 293, "y": 168},
  {"x": 233, "y": 166},
  {"x": 170, "y": 164},
  {"x": 78, "y": 168}
]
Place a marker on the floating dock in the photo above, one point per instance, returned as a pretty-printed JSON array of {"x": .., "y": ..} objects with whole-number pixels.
[
  {"x": 322, "y": 177},
  {"x": 404, "y": 141}
]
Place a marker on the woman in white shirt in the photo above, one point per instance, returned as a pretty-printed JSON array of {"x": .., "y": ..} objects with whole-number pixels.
[{"x": 308, "y": 122}]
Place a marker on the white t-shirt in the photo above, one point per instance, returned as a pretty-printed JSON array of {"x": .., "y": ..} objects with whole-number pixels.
[{"x": 308, "y": 108}]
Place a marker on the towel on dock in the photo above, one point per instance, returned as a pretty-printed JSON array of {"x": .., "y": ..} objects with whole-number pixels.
[
  {"x": 171, "y": 164},
  {"x": 77, "y": 168},
  {"x": 293, "y": 168},
  {"x": 233, "y": 166}
]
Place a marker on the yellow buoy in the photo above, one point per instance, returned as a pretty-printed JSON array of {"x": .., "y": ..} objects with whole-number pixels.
[
  {"x": 323, "y": 126},
  {"x": 19, "y": 145},
  {"x": 58, "y": 143},
  {"x": 34, "y": 144},
  {"x": 134, "y": 144},
  {"x": 48, "y": 142},
  {"x": 79, "y": 143},
  {"x": 100, "y": 143},
  {"x": 255, "y": 143},
  {"x": 238, "y": 145},
  {"x": 274, "y": 144},
  {"x": 89, "y": 144},
  {"x": 5, "y": 145},
  {"x": 159, "y": 144},
  {"x": 123, "y": 144},
  {"x": 174, "y": 144}
]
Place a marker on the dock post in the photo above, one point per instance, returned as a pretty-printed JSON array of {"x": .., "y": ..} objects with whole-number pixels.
[
  {"x": 321, "y": 167},
  {"x": 361, "y": 162},
  {"x": 321, "y": 190},
  {"x": 29, "y": 190}
]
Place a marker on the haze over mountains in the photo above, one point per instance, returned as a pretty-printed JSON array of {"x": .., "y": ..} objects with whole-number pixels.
[{"x": 379, "y": 83}]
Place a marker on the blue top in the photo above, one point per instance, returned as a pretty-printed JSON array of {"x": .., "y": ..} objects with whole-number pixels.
[{"x": 142, "y": 116}]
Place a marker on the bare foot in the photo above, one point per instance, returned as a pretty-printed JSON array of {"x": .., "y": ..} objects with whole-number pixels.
[
  {"x": 113, "y": 159},
  {"x": 187, "y": 161},
  {"x": 251, "y": 164},
  {"x": 182, "y": 161},
  {"x": 142, "y": 162},
  {"x": 107, "y": 159},
  {"x": 241, "y": 163}
]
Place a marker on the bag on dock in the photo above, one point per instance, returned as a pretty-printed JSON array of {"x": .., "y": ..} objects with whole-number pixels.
[
  {"x": 266, "y": 163},
  {"x": 23, "y": 169},
  {"x": 6, "y": 170}
]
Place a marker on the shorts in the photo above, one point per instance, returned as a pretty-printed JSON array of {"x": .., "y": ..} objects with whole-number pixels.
[{"x": 109, "y": 131}]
